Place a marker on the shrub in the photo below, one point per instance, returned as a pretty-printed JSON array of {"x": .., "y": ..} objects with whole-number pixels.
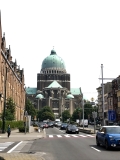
[
  {"x": 13, "y": 124},
  {"x": 22, "y": 129}
]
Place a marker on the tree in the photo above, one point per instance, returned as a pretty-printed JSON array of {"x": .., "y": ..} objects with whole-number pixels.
[
  {"x": 30, "y": 109},
  {"x": 77, "y": 114},
  {"x": 45, "y": 113},
  {"x": 10, "y": 110},
  {"x": 66, "y": 115}
]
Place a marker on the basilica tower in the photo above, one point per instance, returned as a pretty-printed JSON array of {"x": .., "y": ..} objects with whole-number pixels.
[{"x": 53, "y": 68}]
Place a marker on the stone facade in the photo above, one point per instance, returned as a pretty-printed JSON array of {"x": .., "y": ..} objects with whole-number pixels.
[
  {"x": 11, "y": 79},
  {"x": 53, "y": 87}
]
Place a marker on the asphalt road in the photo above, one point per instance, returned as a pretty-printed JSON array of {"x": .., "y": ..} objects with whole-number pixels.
[
  {"x": 60, "y": 146},
  {"x": 57, "y": 145}
]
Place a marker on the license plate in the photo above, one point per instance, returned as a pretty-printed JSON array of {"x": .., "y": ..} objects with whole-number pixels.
[{"x": 73, "y": 131}]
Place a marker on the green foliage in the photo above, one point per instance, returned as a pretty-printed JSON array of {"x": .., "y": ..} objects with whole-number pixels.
[
  {"x": 22, "y": 129},
  {"x": 88, "y": 109},
  {"x": 10, "y": 110},
  {"x": 66, "y": 115},
  {"x": 30, "y": 109},
  {"x": 45, "y": 113},
  {"x": 77, "y": 114},
  {"x": 13, "y": 124}
]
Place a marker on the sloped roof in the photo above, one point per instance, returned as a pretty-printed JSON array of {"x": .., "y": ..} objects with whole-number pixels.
[
  {"x": 31, "y": 90},
  {"x": 75, "y": 91},
  {"x": 54, "y": 84}
]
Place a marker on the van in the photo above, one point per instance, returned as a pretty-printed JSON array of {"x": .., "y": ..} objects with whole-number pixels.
[{"x": 85, "y": 122}]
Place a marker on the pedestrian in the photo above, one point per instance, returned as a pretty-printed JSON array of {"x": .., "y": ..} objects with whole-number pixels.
[{"x": 9, "y": 130}]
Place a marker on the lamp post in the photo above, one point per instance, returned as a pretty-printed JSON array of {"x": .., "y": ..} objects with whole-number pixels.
[
  {"x": 26, "y": 114},
  {"x": 83, "y": 113}
]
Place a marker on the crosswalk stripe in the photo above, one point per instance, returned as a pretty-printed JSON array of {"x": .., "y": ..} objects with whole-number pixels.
[
  {"x": 59, "y": 136},
  {"x": 66, "y": 135},
  {"x": 82, "y": 136},
  {"x": 90, "y": 136},
  {"x": 50, "y": 136},
  {"x": 5, "y": 145},
  {"x": 74, "y": 135}
]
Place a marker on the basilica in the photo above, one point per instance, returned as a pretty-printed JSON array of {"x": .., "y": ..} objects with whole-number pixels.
[{"x": 53, "y": 87}]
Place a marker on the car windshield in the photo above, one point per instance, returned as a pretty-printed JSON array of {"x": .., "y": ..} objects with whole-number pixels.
[
  {"x": 73, "y": 126},
  {"x": 115, "y": 130},
  {"x": 64, "y": 124}
]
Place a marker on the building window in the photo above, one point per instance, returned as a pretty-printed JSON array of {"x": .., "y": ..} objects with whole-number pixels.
[{"x": 119, "y": 99}]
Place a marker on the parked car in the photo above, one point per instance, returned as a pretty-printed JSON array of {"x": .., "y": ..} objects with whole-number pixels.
[
  {"x": 63, "y": 126},
  {"x": 72, "y": 129},
  {"x": 50, "y": 124},
  {"x": 109, "y": 136},
  {"x": 58, "y": 124},
  {"x": 84, "y": 122}
]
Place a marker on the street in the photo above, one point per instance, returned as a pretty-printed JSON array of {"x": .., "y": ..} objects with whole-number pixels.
[{"x": 57, "y": 145}]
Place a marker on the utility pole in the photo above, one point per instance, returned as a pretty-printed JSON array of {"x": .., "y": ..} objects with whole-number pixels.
[
  {"x": 83, "y": 113},
  {"x": 102, "y": 94}
]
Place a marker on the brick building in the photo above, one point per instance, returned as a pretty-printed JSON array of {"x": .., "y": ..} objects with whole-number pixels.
[{"x": 11, "y": 79}]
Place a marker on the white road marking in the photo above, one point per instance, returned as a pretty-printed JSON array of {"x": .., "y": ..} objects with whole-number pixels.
[
  {"x": 50, "y": 136},
  {"x": 96, "y": 149},
  {"x": 14, "y": 147},
  {"x": 59, "y": 136},
  {"x": 67, "y": 136},
  {"x": 5, "y": 145},
  {"x": 74, "y": 135},
  {"x": 82, "y": 136},
  {"x": 90, "y": 136}
]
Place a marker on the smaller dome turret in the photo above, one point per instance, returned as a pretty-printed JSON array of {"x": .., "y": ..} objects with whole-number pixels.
[
  {"x": 69, "y": 96},
  {"x": 39, "y": 96}
]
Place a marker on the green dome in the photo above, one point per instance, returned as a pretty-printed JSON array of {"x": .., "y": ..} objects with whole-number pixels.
[
  {"x": 53, "y": 61},
  {"x": 39, "y": 96},
  {"x": 70, "y": 96}
]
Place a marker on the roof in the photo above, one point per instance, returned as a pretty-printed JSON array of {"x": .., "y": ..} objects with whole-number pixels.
[
  {"x": 31, "y": 90},
  {"x": 75, "y": 91},
  {"x": 54, "y": 84},
  {"x": 53, "y": 61},
  {"x": 110, "y": 126}
]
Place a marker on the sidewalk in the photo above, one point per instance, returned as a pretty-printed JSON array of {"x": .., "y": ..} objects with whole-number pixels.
[
  {"x": 20, "y": 156},
  {"x": 16, "y": 136}
]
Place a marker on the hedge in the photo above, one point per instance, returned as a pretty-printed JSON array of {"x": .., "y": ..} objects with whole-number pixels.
[{"x": 13, "y": 124}]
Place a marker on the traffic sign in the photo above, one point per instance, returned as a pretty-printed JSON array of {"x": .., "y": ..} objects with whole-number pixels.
[
  {"x": 111, "y": 115},
  {"x": 94, "y": 114}
]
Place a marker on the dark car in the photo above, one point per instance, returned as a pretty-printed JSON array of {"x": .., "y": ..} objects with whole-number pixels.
[
  {"x": 58, "y": 124},
  {"x": 108, "y": 136},
  {"x": 63, "y": 126},
  {"x": 72, "y": 129},
  {"x": 50, "y": 124}
]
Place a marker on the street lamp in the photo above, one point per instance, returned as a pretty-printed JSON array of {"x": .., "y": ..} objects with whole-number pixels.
[
  {"x": 83, "y": 112},
  {"x": 26, "y": 115}
]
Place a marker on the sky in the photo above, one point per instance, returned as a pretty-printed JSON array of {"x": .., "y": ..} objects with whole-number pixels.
[{"x": 84, "y": 33}]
